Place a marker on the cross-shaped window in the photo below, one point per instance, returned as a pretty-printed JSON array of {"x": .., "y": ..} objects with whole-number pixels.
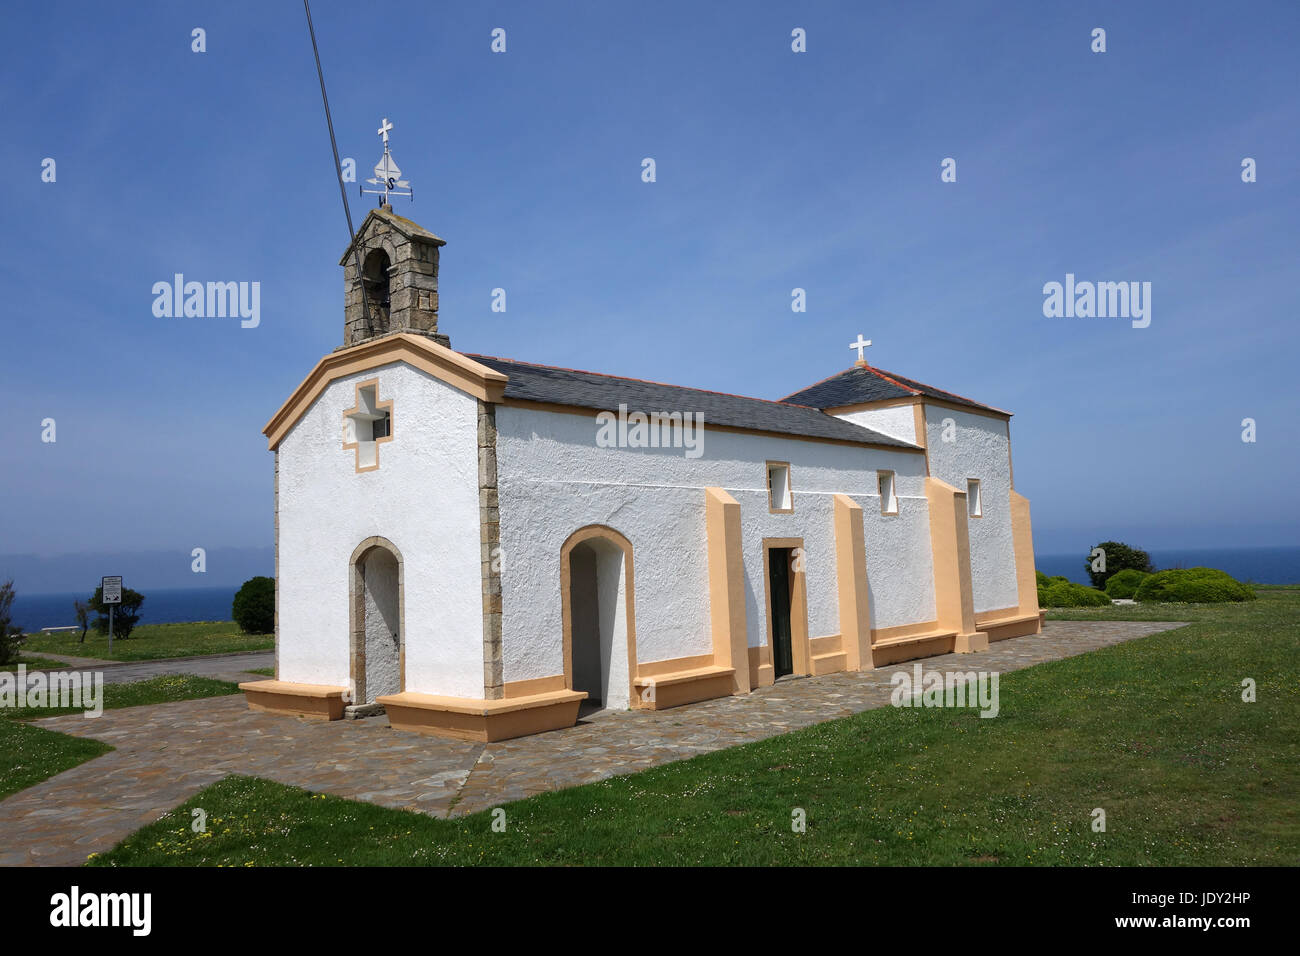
[{"x": 367, "y": 425}]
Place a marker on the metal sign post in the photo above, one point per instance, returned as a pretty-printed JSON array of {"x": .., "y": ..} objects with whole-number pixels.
[{"x": 111, "y": 594}]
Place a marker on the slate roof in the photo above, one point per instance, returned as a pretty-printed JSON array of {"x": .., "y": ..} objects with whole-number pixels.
[
  {"x": 563, "y": 386},
  {"x": 411, "y": 230},
  {"x": 862, "y": 384}
]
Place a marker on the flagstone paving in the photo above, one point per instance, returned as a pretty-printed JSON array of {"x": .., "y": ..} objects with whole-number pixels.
[{"x": 166, "y": 753}]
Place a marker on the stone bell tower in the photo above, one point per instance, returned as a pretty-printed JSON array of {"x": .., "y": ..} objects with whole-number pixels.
[{"x": 399, "y": 270}]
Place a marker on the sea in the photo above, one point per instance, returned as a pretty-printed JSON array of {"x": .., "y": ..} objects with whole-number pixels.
[{"x": 31, "y": 612}]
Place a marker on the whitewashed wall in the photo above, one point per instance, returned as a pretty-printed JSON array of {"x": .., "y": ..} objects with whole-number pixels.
[
  {"x": 553, "y": 480},
  {"x": 898, "y": 421},
  {"x": 980, "y": 449},
  {"x": 423, "y": 498}
]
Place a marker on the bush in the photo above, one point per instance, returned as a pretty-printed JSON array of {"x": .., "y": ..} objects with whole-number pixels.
[
  {"x": 125, "y": 616},
  {"x": 254, "y": 606},
  {"x": 1062, "y": 592},
  {"x": 1119, "y": 557},
  {"x": 11, "y": 637},
  {"x": 1124, "y": 584},
  {"x": 1193, "y": 586},
  {"x": 1041, "y": 577}
]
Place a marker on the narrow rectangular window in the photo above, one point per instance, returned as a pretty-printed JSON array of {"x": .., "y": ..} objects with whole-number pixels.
[
  {"x": 780, "y": 497},
  {"x": 888, "y": 499},
  {"x": 974, "y": 507}
]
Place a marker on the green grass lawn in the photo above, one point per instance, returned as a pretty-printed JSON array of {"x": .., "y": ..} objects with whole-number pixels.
[
  {"x": 1153, "y": 731},
  {"x": 30, "y": 754},
  {"x": 34, "y": 663},
  {"x": 263, "y": 671},
  {"x": 154, "y": 641}
]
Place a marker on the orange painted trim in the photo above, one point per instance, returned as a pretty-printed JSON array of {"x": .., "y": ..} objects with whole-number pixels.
[
  {"x": 918, "y": 423},
  {"x": 983, "y": 617},
  {"x": 1022, "y": 542},
  {"x": 903, "y": 631},
  {"x": 922, "y": 434},
  {"x": 314, "y": 701},
  {"x": 826, "y": 644},
  {"x": 761, "y": 673},
  {"x": 789, "y": 480},
  {"x": 675, "y": 665},
  {"x": 415, "y": 350},
  {"x": 914, "y": 648},
  {"x": 465, "y": 718},
  {"x": 533, "y": 687},
  {"x": 727, "y": 614},
  {"x": 893, "y": 485},
  {"x": 380, "y": 406},
  {"x": 1017, "y": 626},
  {"x": 851, "y": 583},
  {"x": 950, "y": 548},
  {"x": 684, "y": 687}
]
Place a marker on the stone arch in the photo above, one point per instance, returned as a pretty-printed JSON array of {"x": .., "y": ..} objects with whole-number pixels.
[
  {"x": 376, "y": 275},
  {"x": 377, "y": 595},
  {"x": 605, "y": 592}
]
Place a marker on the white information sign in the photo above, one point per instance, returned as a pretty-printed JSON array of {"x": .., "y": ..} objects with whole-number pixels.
[{"x": 112, "y": 589}]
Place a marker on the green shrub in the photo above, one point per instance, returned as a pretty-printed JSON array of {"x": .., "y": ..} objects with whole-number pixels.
[
  {"x": 11, "y": 636},
  {"x": 1119, "y": 557},
  {"x": 1124, "y": 584},
  {"x": 254, "y": 606},
  {"x": 1193, "y": 586},
  {"x": 1041, "y": 577},
  {"x": 125, "y": 615},
  {"x": 1061, "y": 592}
]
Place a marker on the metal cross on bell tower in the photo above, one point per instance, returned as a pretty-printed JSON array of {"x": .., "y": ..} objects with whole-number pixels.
[{"x": 387, "y": 175}]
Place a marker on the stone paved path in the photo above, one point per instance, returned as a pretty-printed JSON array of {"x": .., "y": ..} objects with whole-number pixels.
[
  {"x": 168, "y": 752},
  {"x": 231, "y": 667}
]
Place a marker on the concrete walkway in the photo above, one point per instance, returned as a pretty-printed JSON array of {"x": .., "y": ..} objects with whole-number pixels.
[
  {"x": 231, "y": 667},
  {"x": 167, "y": 753}
]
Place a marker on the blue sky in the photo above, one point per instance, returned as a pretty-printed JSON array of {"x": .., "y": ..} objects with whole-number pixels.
[{"x": 775, "y": 170}]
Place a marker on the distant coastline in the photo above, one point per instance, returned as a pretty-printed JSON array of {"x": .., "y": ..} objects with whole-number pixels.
[
  {"x": 32, "y": 612},
  {"x": 176, "y": 605},
  {"x": 1280, "y": 565}
]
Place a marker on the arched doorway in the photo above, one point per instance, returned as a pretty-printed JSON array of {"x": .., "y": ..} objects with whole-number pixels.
[
  {"x": 377, "y": 644},
  {"x": 596, "y": 584}
]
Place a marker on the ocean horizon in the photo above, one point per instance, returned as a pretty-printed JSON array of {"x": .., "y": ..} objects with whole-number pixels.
[
  {"x": 31, "y": 612},
  {"x": 1278, "y": 565}
]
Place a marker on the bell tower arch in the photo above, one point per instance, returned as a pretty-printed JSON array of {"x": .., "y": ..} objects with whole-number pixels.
[{"x": 399, "y": 269}]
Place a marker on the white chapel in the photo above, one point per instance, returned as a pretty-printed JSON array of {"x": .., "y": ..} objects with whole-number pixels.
[{"x": 480, "y": 547}]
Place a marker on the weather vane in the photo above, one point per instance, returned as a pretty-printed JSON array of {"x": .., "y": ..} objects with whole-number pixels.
[{"x": 387, "y": 175}]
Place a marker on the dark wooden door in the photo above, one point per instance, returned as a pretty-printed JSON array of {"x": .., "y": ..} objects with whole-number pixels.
[{"x": 778, "y": 569}]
